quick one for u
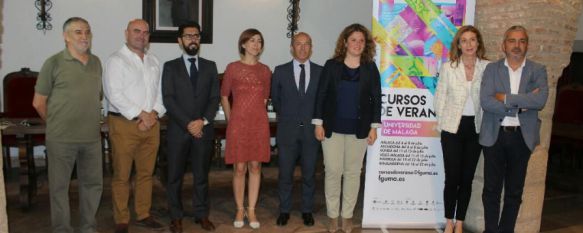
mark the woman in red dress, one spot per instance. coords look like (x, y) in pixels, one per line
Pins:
(247, 81)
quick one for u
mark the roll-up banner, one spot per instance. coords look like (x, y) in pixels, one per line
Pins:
(404, 168)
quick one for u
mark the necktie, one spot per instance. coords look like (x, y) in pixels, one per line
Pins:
(302, 80)
(193, 72)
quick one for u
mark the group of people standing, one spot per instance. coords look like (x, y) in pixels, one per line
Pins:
(491, 107)
(337, 105)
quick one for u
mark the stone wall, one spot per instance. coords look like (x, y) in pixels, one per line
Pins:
(552, 25)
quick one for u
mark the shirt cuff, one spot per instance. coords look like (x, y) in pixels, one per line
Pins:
(206, 122)
(376, 125)
(131, 114)
(161, 112)
(317, 121)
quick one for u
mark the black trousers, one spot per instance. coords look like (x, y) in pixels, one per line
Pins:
(461, 152)
(505, 165)
(306, 151)
(198, 151)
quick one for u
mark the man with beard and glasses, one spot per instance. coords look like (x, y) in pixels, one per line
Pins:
(132, 88)
(514, 90)
(190, 90)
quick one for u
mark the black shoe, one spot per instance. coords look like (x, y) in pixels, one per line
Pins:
(121, 228)
(205, 223)
(308, 219)
(282, 219)
(150, 223)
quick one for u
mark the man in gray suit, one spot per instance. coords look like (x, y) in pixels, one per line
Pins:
(190, 91)
(293, 94)
(513, 90)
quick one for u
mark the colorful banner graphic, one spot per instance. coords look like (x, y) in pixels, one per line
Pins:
(404, 171)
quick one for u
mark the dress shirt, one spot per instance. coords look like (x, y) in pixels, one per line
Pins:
(297, 71)
(132, 85)
(514, 85)
(185, 57)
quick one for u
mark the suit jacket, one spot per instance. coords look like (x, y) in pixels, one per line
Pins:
(292, 109)
(183, 104)
(451, 95)
(496, 79)
(369, 109)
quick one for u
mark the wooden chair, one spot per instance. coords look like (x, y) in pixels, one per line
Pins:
(18, 95)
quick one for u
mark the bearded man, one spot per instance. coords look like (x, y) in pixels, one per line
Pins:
(190, 91)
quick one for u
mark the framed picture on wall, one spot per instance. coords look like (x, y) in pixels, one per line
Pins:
(164, 17)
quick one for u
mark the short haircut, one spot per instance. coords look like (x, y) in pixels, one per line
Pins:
(189, 24)
(293, 39)
(246, 36)
(515, 28)
(137, 20)
(71, 20)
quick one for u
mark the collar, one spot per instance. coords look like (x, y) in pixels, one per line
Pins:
(296, 63)
(68, 57)
(185, 57)
(520, 67)
(126, 50)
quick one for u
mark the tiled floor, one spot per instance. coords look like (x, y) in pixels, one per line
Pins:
(563, 207)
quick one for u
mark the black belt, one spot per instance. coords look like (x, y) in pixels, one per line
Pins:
(117, 114)
(510, 128)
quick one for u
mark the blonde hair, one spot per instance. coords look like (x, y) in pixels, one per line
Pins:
(456, 52)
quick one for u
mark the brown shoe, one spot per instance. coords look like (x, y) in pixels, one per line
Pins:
(347, 225)
(205, 223)
(333, 225)
(176, 226)
(121, 228)
(150, 222)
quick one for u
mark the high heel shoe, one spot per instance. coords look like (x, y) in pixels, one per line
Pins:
(239, 223)
(253, 224)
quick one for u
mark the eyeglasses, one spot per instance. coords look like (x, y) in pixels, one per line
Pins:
(191, 36)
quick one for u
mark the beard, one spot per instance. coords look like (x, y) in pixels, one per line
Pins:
(516, 50)
(191, 49)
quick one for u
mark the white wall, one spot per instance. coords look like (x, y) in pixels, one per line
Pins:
(24, 46)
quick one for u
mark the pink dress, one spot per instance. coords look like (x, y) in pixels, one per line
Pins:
(248, 125)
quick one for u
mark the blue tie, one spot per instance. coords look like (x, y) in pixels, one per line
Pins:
(302, 80)
(193, 72)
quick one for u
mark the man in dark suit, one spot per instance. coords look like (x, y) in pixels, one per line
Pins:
(513, 90)
(293, 94)
(190, 90)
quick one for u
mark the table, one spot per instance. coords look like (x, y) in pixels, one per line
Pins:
(27, 168)
(35, 126)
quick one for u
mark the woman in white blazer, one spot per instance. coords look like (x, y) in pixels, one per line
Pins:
(457, 106)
